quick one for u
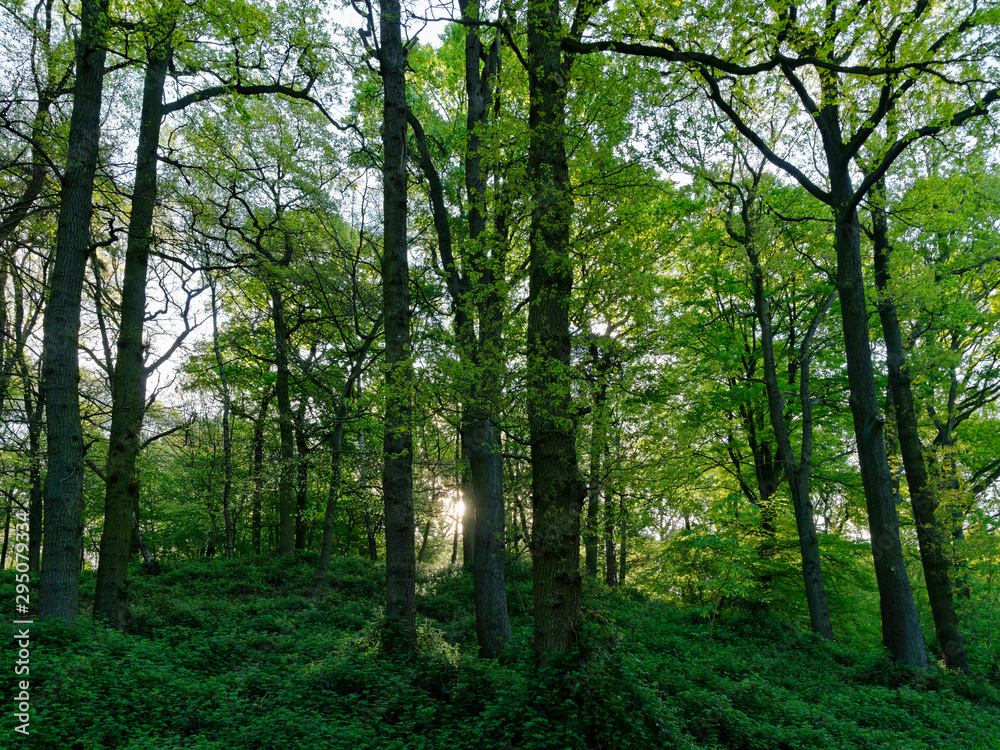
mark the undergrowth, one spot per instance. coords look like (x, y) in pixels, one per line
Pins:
(233, 655)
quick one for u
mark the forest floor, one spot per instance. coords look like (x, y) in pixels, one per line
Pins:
(232, 655)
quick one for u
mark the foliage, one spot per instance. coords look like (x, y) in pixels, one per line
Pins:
(225, 654)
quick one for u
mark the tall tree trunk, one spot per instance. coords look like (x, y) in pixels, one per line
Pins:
(610, 558)
(424, 538)
(145, 551)
(286, 428)
(460, 290)
(930, 532)
(623, 517)
(900, 626)
(59, 587)
(257, 473)
(370, 532)
(34, 408)
(128, 385)
(8, 512)
(556, 490)
(598, 440)
(333, 495)
(798, 475)
(949, 478)
(489, 584)
(397, 471)
(485, 459)
(301, 477)
(767, 471)
(468, 501)
(227, 428)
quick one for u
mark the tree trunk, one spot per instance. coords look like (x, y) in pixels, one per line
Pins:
(397, 471)
(286, 428)
(59, 588)
(148, 557)
(227, 429)
(948, 477)
(798, 475)
(34, 408)
(370, 533)
(489, 584)
(6, 528)
(128, 401)
(900, 625)
(424, 538)
(556, 490)
(767, 471)
(468, 501)
(598, 440)
(301, 477)
(624, 540)
(930, 532)
(610, 558)
(485, 459)
(330, 518)
(257, 473)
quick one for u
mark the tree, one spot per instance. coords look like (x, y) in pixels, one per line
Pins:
(129, 382)
(930, 531)
(797, 472)
(397, 471)
(475, 289)
(557, 493)
(805, 49)
(48, 72)
(64, 480)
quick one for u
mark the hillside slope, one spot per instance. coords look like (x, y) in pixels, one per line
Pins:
(232, 655)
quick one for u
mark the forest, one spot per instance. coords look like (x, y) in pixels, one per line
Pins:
(500, 375)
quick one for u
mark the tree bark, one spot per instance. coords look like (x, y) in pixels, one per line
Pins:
(930, 532)
(333, 495)
(301, 477)
(257, 473)
(34, 408)
(8, 512)
(147, 554)
(598, 444)
(397, 472)
(485, 459)
(227, 429)
(286, 428)
(468, 502)
(489, 583)
(900, 626)
(556, 490)
(797, 474)
(610, 558)
(424, 538)
(59, 587)
(128, 400)
(623, 514)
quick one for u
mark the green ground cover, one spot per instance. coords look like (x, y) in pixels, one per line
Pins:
(231, 655)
